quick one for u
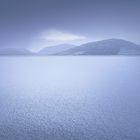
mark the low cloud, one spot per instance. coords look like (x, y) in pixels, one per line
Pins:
(56, 37)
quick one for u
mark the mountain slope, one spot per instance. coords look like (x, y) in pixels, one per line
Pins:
(105, 47)
(15, 51)
(55, 49)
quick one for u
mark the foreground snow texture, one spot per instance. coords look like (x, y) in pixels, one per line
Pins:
(70, 98)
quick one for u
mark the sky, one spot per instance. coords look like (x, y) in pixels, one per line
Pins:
(36, 24)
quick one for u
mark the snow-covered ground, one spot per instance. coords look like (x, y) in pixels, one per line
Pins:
(70, 98)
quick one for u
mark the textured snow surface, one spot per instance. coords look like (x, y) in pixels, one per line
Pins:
(70, 98)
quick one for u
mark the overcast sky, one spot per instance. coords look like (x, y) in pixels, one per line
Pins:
(39, 23)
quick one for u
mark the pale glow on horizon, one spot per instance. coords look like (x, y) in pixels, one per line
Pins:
(56, 37)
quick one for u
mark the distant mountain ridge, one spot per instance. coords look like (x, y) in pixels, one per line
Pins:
(103, 47)
(15, 51)
(55, 49)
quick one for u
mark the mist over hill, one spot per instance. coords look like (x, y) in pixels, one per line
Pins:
(15, 51)
(103, 47)
(55, 49)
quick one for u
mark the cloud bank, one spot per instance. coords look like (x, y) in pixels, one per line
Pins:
(57, 37)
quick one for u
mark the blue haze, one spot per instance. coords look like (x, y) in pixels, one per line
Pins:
(22, 20)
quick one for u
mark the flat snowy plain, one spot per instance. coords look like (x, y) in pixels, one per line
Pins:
(70, 98)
